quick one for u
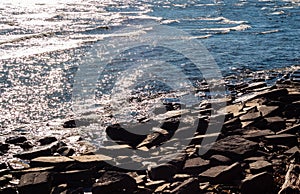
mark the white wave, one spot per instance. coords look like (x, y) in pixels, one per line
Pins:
(241, 27)
(222, 20)
(269, 32)
(169, 21)
(277, 13)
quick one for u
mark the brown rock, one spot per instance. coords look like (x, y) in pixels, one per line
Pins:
(222, 174)
(35, 183)
(75, 177)
(162, 172)
(259, 184)
(256, 134)
(195, 165)
(190, 185)
(234, 147)
(282, 139)
(250, 116)
(216, 160)
(45, 161)
(275, 123)
(260, 166)
(267, 111)
(114, 182)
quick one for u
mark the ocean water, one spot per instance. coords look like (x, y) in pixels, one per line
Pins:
(43, 44)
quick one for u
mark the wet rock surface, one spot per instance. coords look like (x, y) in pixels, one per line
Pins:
(256, 151)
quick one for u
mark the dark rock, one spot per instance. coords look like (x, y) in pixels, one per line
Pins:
(234, 147)
(259, 184)
(190, 185)
(65, 151)
(15, 139)
(4, 180)
(47, 150)
(232, 125)
(275, 123)
(26, 145)
(4, 147)
(114, 182)
(162, 172)
(222, 174)
(291, 130)
(273, 94)
(292, 110)
(282, 139)
(8, 190)
(75, 123)
(195, 165)
(35, 183)
(75, 178)
(47, 140)
(216, 160)
(260, 166)
(289, 98)
(3, 166)
(119, 134)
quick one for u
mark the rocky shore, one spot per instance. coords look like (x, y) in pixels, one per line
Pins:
(257, 150)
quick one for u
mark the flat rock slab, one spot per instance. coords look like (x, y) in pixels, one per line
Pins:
(51, 161)
(282, 139)
(195, 165)
(256, 134)
(268, 110)
(292, 150)
(259, 184)
(260, 166)
(250, 116)
(216, 160)
(275, 123)
(47, 150)
(234, 147)
(222, 174)
(114, 182)
(36, 182)
(190, 185)
(91, 158)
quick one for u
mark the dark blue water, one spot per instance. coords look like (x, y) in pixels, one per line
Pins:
(42, 44)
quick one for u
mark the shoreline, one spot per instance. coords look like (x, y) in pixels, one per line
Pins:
(257, 149)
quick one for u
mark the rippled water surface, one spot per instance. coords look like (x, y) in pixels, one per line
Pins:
(42, 43)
